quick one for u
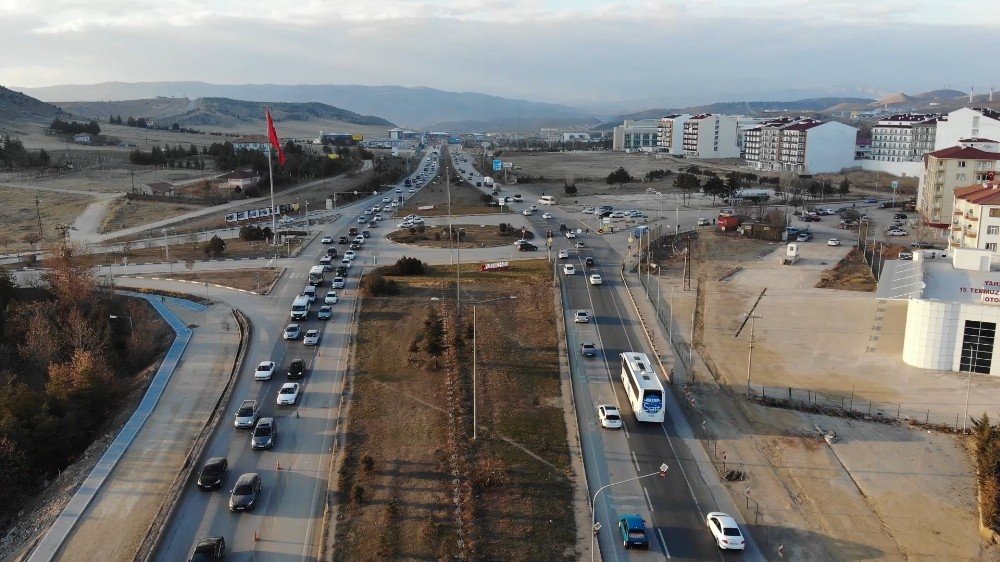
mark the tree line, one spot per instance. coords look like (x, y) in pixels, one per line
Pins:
(74, 127)
(14, 156)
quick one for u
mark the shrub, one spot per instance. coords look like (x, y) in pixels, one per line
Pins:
(215, 247)
(376, 285)
(404, 266)
(569, 188)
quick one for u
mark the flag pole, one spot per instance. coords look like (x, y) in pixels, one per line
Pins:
(270, 173)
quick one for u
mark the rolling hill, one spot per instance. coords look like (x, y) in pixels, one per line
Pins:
(15, 106)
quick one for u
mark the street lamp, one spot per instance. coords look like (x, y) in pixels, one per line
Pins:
(662, 472)
(116, 317)
(474, 357)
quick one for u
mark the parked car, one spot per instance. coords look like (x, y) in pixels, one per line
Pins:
(704, 222)
(243, 496)
(588, 349)
(264, 434)
(209, 549)
(609, 416)
(311, 338)
(264, 371)
(632, 530)
(246, 415)
(581, 317)
(725, 531)
(526, 246)
(896, 232)
(804, 237)
(292, 332)
(289, 394)
(297, 369)
(906, 255)
(213, 472)
(900, 216)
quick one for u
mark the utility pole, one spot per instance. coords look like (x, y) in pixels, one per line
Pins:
(753, 317)
(38, 214)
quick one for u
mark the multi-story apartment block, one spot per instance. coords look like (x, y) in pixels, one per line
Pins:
(968, 122)
(805, 146)
(710, 136)
(976, 217)
(672, 133)
(905, 137)
(950, 168)
(638, 135)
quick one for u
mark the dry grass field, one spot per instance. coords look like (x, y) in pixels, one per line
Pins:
(474, 236)
(414, 485)
(123, 213)
(465, 200)
(19, 216)
(256, 279)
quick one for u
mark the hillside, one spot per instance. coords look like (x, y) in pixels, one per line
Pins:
(512, 125)
(15, 106)
(408, 107)
(216, 112)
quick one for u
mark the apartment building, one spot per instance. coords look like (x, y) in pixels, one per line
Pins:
(637, 135)
(948, 169)
(672, 133)
(976, 217)
(804, 146)
(968, 122)
(710, 136)
(904, 137)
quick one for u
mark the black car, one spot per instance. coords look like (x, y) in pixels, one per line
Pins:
(526, 247)
(213, 473)
(373, 224)
(355, 246)
(589, 262)
(296, 369)
(245, 492)
(342, 240)
(366, 234)
(899, 216)
(331, 251)
(209, 549)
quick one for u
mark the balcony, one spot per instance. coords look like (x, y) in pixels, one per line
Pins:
(970, 234)
(956, 228)
(971, 218)
(958, 213)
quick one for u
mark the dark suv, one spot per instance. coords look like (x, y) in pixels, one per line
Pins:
(213, 473)
(209, 549)
(296, 369)
(245, 492)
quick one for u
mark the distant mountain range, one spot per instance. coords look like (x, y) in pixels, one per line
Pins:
(424, 108)
(217, 112)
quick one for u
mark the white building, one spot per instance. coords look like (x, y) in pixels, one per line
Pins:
(976, 222)
(83, 138)
(710, 136)
(579, 137)
(948, 169)
(637, 135)
(904, 137)
(977, 122)
(952, 311)
(251, 142)
(805, 146)
(672, 133)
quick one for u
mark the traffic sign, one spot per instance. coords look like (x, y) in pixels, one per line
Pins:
(497, 165)
(895, 185)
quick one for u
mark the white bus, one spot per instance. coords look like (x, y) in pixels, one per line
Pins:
(643, 387)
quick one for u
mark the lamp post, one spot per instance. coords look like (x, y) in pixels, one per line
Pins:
(116, 317)
(662, 472)
(475, 357)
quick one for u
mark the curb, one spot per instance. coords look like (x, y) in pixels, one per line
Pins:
(645, 329)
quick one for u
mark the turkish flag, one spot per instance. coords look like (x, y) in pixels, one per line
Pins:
(272, 135)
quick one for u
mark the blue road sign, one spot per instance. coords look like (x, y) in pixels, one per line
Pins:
(497, 164)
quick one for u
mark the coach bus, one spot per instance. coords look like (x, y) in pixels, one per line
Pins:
(643, 387)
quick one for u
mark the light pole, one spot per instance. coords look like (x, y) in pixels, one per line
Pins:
(475, 358)
(116, 317)
(593, 504)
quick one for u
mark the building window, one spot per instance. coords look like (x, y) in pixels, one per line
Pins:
(991, 246)
(995, 213)
(977, 346)
(961, 163)
(960, 177)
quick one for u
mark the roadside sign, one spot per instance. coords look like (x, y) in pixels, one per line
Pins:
(895, 185)
(497, 164)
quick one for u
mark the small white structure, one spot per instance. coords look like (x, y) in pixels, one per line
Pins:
(83, 138)
(791, 254)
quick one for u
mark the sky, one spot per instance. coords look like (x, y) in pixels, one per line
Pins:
(577, 52)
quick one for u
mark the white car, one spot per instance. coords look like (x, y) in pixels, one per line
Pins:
(292, 332)
(311, 338)
(378, 217)
(581, 317)
(346, 262)
(289, 394)
(595, 279)
(896, 232)
(580, 245)
(350, 254)
(330, 298)
(361, 220)
(327, 240)
(337, 283)
(570, 234)
(526, 212)
(725, 530)
(376, 209)
(264, 371)
(359, 239)
(569, 269)
(546, 215)
(833, 242)
(588, 210)
(563, 254)
(413, 190)
(387, 200)
(610, 416)
(703, 222)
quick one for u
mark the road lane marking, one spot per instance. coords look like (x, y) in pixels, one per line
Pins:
(636, 461)
(663, 543)
(649, 501)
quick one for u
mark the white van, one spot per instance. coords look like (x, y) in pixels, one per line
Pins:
(309, 292)
(547, 200)
(300, 308)
(316, 274)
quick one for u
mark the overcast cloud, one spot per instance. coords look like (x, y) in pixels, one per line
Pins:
(566, 51)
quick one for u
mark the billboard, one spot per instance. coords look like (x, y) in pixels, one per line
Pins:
(261, 213)
(358, 137)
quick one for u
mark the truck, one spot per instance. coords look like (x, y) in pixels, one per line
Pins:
(487, 181)
(317, 275)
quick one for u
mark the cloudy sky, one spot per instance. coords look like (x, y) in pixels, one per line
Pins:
(565, 51)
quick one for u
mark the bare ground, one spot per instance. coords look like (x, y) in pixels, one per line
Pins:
(125, 213)
(19, 215)
(851, 274)
(256, 279)
(474, 236)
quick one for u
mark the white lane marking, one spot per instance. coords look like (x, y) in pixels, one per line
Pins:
(663, 543)
(635, 461)
(649, 501)
(683, 472)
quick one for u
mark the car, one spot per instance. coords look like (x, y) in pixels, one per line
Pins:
(570, 234)
(324, 313)
(833, 242)
(526, 212)
(595, 279)
(725, 531)
(906, 255)
(378, 217)
(804, 237)
(243, 496)
(341, 272)
(330, 298)
(900, 216)
(896, 232)
(525, 246)
(326, 262)
(580, 245)
(568, 269)
(213, 472)
(562, 254)
(581, 317)
(327, 240)
(292, 332)
(588, 261)
(366, 233)
(617, 214)
(346, 262)
(209, 549)
(376, 208)
(264, 371)
(922, 245)
(349, 255)
(546, 215)
(264, 434)
(355, 247)
(704, 222)
(588, 349)
(310, 293)
(386, 199)
(331, 252)
(342, 240)
(632, 530)
(411, 190)
(246, 415)
(353, 231)
(610, 416)
(289, 394)
(372, 224)
(337, 283)
(588, 210)
(871, 200)
(359, 239)
(297, 368)
(311, 338)
(362, 220)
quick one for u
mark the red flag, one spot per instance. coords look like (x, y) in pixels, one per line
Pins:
(272, 135)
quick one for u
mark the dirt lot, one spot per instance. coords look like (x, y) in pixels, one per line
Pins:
(190, 251)
(850, 273)
(18, 215)
(474, 236)
(429, 491)
(256, 279)
(124, 213)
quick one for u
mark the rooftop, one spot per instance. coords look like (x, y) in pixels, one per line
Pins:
(980, 194)
(932, 276)
(964, 153)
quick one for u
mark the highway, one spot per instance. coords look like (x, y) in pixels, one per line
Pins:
(285, 524)
(674, 507)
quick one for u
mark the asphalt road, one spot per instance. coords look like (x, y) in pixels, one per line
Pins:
(285, 525)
